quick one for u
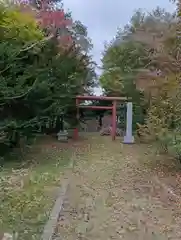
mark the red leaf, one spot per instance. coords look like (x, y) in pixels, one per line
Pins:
(66, 39)
(56, 18)
(48, 18)
(58, 15)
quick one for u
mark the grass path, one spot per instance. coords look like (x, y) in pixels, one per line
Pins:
(29, 189)
(113, 195)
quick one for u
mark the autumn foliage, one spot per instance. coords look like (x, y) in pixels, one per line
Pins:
(39, 77)
(144, 60)
(49, 18)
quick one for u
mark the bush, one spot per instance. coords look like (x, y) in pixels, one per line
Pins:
(170, 141)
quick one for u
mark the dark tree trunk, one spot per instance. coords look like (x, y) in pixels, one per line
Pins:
(100, 120)
(62, 123)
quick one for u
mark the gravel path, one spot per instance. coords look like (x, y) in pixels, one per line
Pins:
(113, 196)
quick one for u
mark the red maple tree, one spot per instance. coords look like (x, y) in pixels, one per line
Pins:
(50, 18)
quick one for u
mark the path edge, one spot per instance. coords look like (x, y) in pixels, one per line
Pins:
(50, 226)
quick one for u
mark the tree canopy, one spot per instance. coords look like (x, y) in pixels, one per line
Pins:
(143, 62)
(40, 74)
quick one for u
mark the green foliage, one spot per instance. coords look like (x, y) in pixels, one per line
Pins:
(163, 118)
(39, 79)
(164, 110)
(127, 56)
(16, 25)
(170, 142)
(139, 51)
(121, 62)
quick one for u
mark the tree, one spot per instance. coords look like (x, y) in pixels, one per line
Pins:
(13, 25)
(39, 78)
(131, 61)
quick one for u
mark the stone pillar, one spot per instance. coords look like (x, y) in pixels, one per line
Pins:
(114, 123)
(129, 138)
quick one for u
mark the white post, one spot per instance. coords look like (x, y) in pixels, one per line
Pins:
(129, 138)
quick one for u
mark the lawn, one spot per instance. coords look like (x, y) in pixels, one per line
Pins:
(29, 188)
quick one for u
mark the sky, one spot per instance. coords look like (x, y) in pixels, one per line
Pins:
(103, 17)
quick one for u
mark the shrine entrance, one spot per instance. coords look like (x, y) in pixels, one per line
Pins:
(128, 138)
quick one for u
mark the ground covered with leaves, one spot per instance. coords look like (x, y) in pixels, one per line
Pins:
(29, 189)
(116, 193)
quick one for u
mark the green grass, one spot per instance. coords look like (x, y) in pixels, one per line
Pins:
(27, 193)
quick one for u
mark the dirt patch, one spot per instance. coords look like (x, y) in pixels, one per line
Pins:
(114, 196)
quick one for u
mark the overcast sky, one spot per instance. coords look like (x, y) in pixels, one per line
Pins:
(102, 17)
